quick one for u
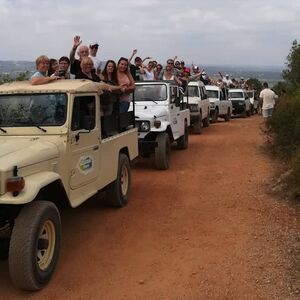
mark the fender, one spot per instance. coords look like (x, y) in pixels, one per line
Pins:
(33, 184)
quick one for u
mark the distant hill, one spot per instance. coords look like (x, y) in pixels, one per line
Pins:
(14, 67)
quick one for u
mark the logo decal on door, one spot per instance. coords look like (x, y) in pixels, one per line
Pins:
(86, 164)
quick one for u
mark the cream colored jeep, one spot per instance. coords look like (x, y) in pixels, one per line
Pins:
(55, 147)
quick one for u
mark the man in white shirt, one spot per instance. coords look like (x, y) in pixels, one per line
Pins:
(93, 53)
(268, 102)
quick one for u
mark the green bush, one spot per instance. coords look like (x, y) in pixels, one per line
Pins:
(285, 123)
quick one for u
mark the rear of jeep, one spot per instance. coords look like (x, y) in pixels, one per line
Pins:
(51, 153)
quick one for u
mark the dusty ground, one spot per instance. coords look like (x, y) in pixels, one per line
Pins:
(205, 229)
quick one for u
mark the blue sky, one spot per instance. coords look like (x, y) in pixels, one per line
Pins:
(227, 32)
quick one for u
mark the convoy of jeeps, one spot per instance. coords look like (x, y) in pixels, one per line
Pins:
(57, 149)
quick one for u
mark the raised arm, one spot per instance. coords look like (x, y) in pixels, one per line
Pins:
(76, 43)
(134, 52)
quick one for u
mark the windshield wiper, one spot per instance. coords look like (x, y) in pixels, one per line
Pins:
(31, 122)
(3, 130)
(40, 128)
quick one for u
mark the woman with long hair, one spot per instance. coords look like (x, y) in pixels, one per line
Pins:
(108, 99)
(126, 81)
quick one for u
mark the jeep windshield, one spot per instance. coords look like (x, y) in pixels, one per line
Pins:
(22, 110)
(213, 94)
(150, 92)
(192, 91)
(235, 95)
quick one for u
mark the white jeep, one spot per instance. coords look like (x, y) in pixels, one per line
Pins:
(161, 118)
(240, 102)
(52, 151)
(198, 103)
(220, 106)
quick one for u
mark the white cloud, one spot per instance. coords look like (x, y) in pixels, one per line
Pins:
(235, 32)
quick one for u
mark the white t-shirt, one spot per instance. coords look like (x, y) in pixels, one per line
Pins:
(268, 97)
(227, 81)
(148, 75)
(97, 63)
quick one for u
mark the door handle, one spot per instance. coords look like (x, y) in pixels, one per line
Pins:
(178, 114)
(96, 147)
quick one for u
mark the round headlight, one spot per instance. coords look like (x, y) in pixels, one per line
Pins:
(145, 126)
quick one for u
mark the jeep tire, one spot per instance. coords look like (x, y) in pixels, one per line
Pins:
(34, 245)
(227, 116)
(197, 126)
(206, 120)
(117, 192)
(215, 115)
(183, 141)
(162, 151)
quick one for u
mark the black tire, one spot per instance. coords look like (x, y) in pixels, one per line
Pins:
(117, 192)
(34, 245)
(244, 113)
(206, 120)
(197, 126)
(215, 115)
(227, 116)
(183, 141)
(163, 151)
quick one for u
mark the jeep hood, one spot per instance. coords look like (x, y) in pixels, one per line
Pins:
(22, 152)
(148, 112)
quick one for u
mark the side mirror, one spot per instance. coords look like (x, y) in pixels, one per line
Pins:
(205, 96)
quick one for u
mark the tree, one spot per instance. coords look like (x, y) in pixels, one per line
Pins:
(254, 84)
(292, 73)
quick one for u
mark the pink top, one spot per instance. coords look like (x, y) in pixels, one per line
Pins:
(124, 80)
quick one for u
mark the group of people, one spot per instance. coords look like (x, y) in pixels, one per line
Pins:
(123, 74)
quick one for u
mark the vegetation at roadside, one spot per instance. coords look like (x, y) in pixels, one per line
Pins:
(285, 122)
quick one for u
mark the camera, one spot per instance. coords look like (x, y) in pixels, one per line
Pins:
(61, 73)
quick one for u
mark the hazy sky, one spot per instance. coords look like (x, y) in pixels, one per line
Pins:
(231, 32)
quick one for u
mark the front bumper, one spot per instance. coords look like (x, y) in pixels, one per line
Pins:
(146, 146)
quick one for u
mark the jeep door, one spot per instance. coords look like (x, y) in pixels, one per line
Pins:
(84, 141)
(177, 127)
(204, 102)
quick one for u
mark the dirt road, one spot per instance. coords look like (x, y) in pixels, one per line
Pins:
(205, 229)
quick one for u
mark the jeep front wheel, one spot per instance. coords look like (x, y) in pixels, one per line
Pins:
(197, 126)
(206, 120)
(162, 151)
(215, 115)
(34, 245)
(117, 192)
(227, 116)
(183, 141)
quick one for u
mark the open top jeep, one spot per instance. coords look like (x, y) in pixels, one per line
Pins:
(240, 102)
(161, 117)
(52, 150)
(220, 106)
(198, 103)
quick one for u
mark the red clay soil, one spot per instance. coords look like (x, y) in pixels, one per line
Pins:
(205, 229)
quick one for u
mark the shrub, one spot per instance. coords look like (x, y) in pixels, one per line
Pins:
(285, 123)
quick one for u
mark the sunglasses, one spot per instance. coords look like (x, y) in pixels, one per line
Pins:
(94, 47)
